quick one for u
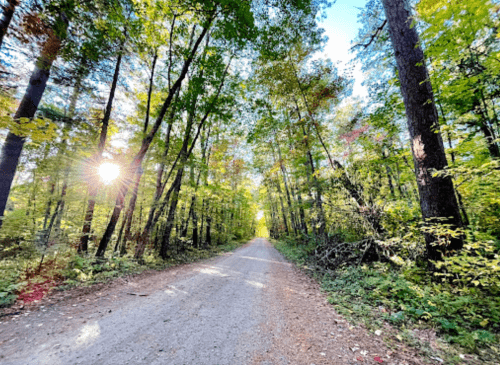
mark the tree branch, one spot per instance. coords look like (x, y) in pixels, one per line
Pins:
(373, 37)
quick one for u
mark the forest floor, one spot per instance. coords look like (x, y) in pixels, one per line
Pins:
(249, 306)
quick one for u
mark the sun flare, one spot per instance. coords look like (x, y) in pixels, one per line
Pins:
(108, 172)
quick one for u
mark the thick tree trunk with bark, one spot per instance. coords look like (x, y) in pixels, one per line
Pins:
(13, 144)
(437, 195)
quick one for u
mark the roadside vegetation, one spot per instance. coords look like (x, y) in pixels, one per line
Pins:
(393, 200)
(143, 133)
(123, 132)
(27, 280)
(466, 319)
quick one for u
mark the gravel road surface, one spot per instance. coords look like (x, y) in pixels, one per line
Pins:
(249, 306)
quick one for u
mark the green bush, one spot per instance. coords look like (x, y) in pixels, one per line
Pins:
(293, 251)
(10, 280)
(471, 319)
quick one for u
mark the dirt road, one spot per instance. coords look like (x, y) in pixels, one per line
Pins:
(246, 307)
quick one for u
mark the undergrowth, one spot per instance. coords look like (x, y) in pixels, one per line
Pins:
(22, 276)
(408, 298)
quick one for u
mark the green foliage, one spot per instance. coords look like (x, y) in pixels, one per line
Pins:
(476, 266)
(15, 232)
(9, 283)
(86, 270)
(409, 297)
(471, 319)
(294, 250)
(71, 269)
(12, 277)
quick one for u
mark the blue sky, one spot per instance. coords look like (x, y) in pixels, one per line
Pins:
(341, 27)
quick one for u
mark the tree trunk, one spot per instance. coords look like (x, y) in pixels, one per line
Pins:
(490, 139)
(150, 91)
(185, 224)
(60, 212)
(317, 199)
(283, 210)
(49, 205)
(8, 12)
(437, 195)
(208, 236)
(120, 234)
(150, 224)
(130, 211)
(96, 160)
(302, 213)
(13, 144)
(195, 231)
(182, 220)
(165, 243)
(202, 223)
(289, 200)
(182, 157)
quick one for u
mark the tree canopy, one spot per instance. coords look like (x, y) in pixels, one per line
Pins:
(148, 130)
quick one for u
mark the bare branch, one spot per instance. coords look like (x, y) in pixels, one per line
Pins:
(373, 37)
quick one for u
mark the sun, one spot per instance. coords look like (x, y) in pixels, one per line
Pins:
(108, 172)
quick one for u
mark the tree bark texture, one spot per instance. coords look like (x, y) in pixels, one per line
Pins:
(437, 195)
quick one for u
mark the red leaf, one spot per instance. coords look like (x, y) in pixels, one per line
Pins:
(359, 358)
(378, 359)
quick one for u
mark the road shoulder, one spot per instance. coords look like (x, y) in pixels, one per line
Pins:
(307, 330)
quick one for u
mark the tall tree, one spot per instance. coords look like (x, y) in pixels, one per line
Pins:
(96, 160)
(437, 195)
(137, 161)
(13, 145)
